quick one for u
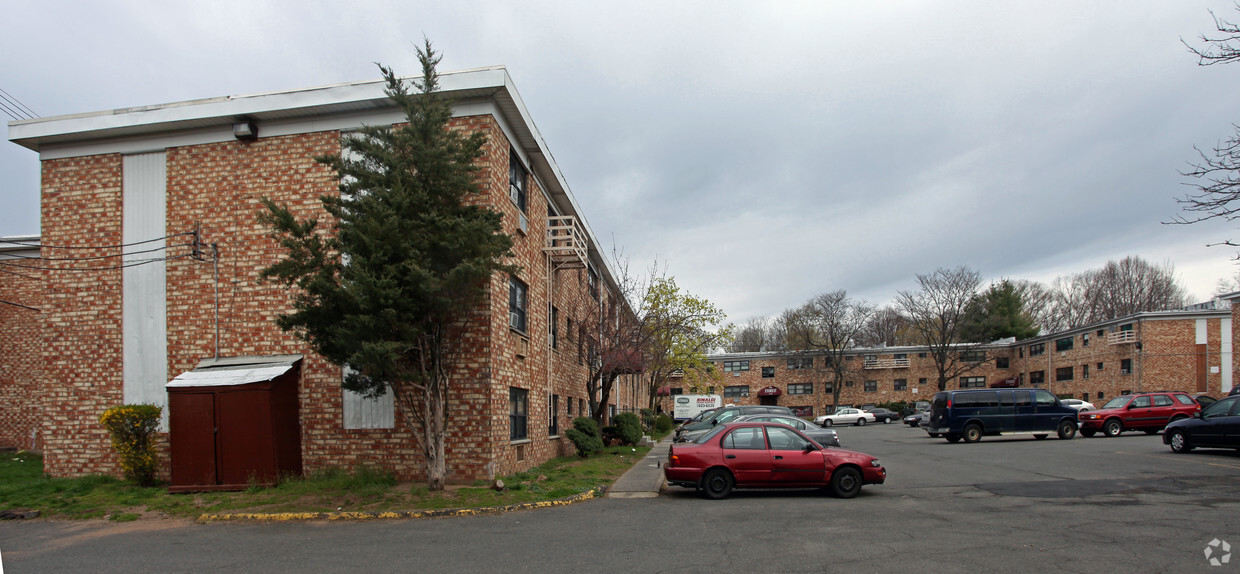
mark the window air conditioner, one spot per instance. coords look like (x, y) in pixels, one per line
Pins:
(1123, 371)
(514, 319)
(514, 194)
(524, 222)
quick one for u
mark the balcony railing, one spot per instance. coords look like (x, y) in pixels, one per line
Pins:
(886, 363)
(566, 242)
(1121, 337)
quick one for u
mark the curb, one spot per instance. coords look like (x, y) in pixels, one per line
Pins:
(402, 514)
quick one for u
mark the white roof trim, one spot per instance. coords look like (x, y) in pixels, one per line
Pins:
(227, 377)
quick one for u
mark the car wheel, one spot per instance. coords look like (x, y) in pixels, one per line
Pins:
(1067, 430)
(1087, 432)
(717, 484)
(952, 437)
(861, 422)
(886, 420)
(1039, 436)
(933, 435)
(846, 482)
(1151, 431)
(972, 433)
(826, 423)
(1179, 442)
(1112, 428)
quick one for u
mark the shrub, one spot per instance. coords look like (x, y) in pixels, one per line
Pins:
(664, 423)
(611, 436)
(133, 438)
(585, 436)
(629, 427)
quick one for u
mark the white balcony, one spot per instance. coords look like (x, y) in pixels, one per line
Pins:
(566, 242)
(1121, 337)
(886, 363)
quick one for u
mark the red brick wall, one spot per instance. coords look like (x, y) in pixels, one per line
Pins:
(21, 396)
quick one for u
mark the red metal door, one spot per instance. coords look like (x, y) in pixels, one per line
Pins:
(191, 422)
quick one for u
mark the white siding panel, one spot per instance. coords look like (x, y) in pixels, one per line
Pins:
(1225, 354)
(1203, 336)
(363, 413)
(144, 287)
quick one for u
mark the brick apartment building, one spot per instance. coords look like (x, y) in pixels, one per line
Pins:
(1187, 350)
(125, 304)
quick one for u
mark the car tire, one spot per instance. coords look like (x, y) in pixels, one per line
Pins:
(1040, 436)
(1179, 443)
(1112, 428)
(1151, 431)
(1088, 432)
(716, 484)
(846, 482)
(952, 437)
(826, 423)
(861, 421)
(886, 420)
(1066, 430)
(972, 433)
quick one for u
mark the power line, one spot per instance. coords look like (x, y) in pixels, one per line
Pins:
(29, 242)
(97, 257)
(108, 268)
(17, 305)
(22, 111)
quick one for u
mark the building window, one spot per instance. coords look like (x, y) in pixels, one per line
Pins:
(801, 389)
(736, 391)
(518, 413)
(593, 277)
(1085, 374)
(900, 356)
(801, 363)
(1064, 344)
(921, 355)
(1099, 366)
(901, 384)
(1063, 374)
(1038, 349)
(768, 372)
(1125, 366)
(518, 301)
(848, 384)
(1037, 377)
(1001, 362)
(828, 387)
(972, 382)
(735, 366)
(677, 391)
(1085, 343)
(871, 386)
(569, 404)
(555, 328)
(555, 416)
(581, 407)
(1100, 395)
(974, 356)
(517, 177)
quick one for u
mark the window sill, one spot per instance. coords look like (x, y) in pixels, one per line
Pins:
(554, 437)
(519, 441)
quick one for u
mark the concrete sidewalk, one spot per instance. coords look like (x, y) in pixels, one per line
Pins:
(645, 479)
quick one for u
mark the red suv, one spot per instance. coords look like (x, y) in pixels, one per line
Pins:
(1149, 412)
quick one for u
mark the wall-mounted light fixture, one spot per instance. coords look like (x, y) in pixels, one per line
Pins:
(245, 130)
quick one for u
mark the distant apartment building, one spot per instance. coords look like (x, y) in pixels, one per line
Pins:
(1187, 351)
(150, 259)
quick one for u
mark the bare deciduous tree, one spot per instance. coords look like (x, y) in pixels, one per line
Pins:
(1216, 177)
(937, 313)
(828, 324)
(887, 327)
(1119, 289)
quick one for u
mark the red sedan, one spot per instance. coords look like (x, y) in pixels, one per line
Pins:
(767, 455)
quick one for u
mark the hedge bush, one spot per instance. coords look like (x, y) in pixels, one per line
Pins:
(629, 427)
(133, 429)
(664, 423)
(585, 436)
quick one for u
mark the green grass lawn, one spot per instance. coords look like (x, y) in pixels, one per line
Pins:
(23, 486)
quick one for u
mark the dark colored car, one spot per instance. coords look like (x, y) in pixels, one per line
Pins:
(1204, 400)
(767, 455)
(1216, 426)
(725, 414)
(1148, 412)
(883, 415)
(972, 414)
(822, 436)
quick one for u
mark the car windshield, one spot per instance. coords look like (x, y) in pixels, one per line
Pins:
(1116, 402)
(708, 436)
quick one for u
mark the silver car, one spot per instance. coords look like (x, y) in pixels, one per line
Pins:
(824, 437)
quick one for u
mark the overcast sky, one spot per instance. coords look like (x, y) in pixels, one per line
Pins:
(764, 151)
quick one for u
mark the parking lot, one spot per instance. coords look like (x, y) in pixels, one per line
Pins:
(1124, 504)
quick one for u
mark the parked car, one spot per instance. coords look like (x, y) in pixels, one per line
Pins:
(913, 419)
(1204, 400)
(1216, 426)
(884, 416)
(725, 414)
(822, 436)
(1148, 412)
(845, 416)
(923, 422)
(1234, 391)
(1078, 404)
(767, 455)
(972, 414)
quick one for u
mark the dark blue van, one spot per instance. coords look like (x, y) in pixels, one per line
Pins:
(970, 414)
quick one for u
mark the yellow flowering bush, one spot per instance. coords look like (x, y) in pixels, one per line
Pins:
(133, 430)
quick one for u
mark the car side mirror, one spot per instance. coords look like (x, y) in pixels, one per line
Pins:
(808, 448)
(713, 422)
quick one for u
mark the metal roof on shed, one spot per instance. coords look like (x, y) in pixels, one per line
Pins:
(220, 372)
